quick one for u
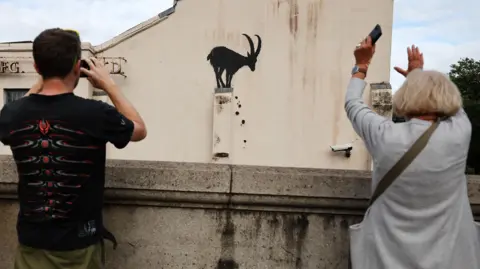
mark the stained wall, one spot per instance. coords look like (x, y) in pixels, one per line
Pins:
(286, 111)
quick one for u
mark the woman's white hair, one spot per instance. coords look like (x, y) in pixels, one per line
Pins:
(427, 92)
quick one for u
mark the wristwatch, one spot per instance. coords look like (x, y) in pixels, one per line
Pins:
(357, 69)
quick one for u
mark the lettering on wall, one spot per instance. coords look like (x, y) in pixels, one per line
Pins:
(9, 67)
(226, 60)
(114, 64)
(12, 65)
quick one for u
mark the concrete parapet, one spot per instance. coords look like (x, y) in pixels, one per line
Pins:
(187, 215)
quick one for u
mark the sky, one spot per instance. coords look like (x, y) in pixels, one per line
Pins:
(445, 30)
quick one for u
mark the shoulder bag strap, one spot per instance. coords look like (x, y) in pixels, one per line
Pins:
(404, 162)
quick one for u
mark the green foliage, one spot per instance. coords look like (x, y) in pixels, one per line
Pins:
(466, 75)
(473, 161)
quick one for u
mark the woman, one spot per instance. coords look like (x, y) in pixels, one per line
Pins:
(423, 219)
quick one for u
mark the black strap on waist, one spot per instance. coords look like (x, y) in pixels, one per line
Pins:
(107, 235)
(110, 237)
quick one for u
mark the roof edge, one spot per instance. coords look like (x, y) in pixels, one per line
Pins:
(27, 47)
(135, 30)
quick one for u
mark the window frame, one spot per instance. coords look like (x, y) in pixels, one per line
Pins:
(7, 94)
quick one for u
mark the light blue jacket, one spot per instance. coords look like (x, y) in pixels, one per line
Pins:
(424, 219)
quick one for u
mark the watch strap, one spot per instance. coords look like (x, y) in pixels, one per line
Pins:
(362, 70)
(358, 69)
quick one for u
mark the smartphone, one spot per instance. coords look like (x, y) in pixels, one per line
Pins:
(85, 65)
(376, 34)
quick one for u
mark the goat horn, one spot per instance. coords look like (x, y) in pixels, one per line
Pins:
(250, 41)
(259, 45)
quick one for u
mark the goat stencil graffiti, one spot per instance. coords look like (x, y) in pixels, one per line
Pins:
(226, 60)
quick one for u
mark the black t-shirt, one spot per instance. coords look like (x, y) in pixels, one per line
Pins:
(58, 143)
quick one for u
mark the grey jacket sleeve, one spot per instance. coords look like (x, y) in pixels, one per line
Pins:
(368, 124)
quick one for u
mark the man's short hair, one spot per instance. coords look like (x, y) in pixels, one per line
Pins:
(56, 52)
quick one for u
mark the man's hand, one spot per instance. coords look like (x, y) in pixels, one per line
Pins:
(98, 75)
(415, 60)
(364, 52)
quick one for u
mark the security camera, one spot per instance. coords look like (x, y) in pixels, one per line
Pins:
(346, 147)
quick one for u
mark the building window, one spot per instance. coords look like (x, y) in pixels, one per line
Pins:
(11, 95)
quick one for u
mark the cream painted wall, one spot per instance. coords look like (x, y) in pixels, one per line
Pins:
(292, 104)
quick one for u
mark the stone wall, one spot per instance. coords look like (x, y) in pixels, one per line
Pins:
(381, 98)
(185, 215)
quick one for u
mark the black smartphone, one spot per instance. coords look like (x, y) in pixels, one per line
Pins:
(85, 65)
(376, 34)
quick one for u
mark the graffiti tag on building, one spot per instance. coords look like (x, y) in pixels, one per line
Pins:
(114, 64)
(12, 66)
(9, 67)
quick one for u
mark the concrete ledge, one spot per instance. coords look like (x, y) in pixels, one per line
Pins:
(150, 175)
(301, 182)
(216, 186)
(250, 202)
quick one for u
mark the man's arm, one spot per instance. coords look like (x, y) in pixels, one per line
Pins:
(100, 78)
(126, 108)
(113, 126)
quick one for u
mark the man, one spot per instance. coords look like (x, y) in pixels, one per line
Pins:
(58, 142)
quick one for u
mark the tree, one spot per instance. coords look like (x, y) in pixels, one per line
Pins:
(473, 159)
(466, 75)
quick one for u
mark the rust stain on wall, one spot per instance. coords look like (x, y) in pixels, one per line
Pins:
(313, 17)
(293, 17)
(292, 56)
(275, 6)
(309, 76)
